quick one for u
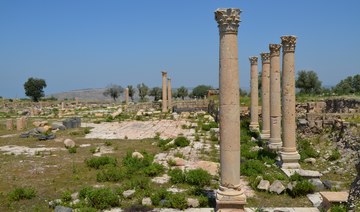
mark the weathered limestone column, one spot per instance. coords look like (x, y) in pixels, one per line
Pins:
(169, 95)
(265, 96)
(289, 154)
(24, 122)
(126, 96)
(9, 124)
(254, 93)
(76, 101)
(19, 124)
(229, 197)
(275, 142)
(164, 100)
(62, 105)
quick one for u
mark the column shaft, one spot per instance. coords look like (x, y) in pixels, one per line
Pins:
(169, 95)
(265, 96)
(289, 154)
(164, 92)
(126, 96)
(254, 110)
(275, 98)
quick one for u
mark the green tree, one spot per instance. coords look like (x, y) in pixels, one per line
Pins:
(243, 93)
(113, 91)
(156, 93)
(348, 85)
(131, 92)
(201, 90)
(34, 88)
(143, 91)
(182, 92)
(308, 82)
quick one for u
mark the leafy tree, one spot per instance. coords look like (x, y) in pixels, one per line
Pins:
(143, 91)
(131, 92)
(34, 88)
(349, 85)
(243, 92)
(113, 91)
(201, 90)
(308, 82)
(182, 92)
(156, 93)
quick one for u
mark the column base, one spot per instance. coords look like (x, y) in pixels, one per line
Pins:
(265, 136)
(275, 144)
(228, 199)
(254, 127)
(290, 160)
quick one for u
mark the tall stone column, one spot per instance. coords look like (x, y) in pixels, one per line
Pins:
(19, 124)
(265, 96)
(169, 95)
(164, 91)
(275, 142)
(76, 101)
(126, 93)
(289, 155)
(230, 195)
(254, 110)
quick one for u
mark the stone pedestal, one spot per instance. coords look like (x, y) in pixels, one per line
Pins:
(164, 92)
(9, 124)
(126, 93)
(265, 96)
(254, 93)
(230, 196)
(169, 95)
(289, 155)
(19, 124)
(275, 142)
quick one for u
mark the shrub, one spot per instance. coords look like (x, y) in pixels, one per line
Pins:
(108, 143)
(111, 174)
(338, 208)
(97, 162)
(182, 141)
(171, 162)
(66, 196)
(159, 195)
(296, 177)
(85, 191)
(154, 169)
(134, 164)
(178, 201)
(335, 155)
(86, 130)
(203, 201)
(102, 198)
(177, 176)
(306, 150)
(302, 188)
(138, 182)
(72, 150)
(252, 168)
(198, 177)
(22, 193)
(164, 144)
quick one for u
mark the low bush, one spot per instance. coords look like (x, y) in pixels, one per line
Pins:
(338, 208)
(108, 143)
(306, 150)
(72, 150)
(177, 176)
(302, 188)
(66, 196)
(22, 193)
(159, 195)
(110, 173)
(135, 165)
(102, 198)
(97, 162)
(198, 177)
(252, 168)
(182, 141)
(178, 201)
(154, 169)
(335, 155)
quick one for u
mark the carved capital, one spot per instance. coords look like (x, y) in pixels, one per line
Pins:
(289, 43)
(265, 57)
(274, 49)
(253, 60)
(164, 74)
(228, 19)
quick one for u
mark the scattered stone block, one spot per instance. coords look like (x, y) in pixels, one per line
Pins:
(62, 209)
(315, 198)
(9, 124)
(263, 185)
(310, 160)
(128, 193)
(192, 202)
(69, 143)
(137, 155)
(317, 183)
(330, 198)
(277, 187)
(146, 201)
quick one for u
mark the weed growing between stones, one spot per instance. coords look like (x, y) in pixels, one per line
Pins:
(22, 193)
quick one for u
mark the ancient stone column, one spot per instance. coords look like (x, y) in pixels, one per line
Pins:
(19, 124)
(164, 99)
(265, 96)
(24, 122)
(230, 195)
(62, 105)
(126, 96)
(289, 155)
(254, 93)
(9, 124)
(275, 142)
(76, 101)
(169, 95)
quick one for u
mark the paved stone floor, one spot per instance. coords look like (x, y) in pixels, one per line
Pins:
(137, 129)
(246, 210)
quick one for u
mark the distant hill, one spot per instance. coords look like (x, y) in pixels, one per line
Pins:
(82, 94)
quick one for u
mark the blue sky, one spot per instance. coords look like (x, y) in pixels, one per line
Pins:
(75, 44)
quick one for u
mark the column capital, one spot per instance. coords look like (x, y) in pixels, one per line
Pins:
(265, 57)
(164, 73)
(253, 60)
(169, 79)
(274, 49)
(288, 42)
(228, 19)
